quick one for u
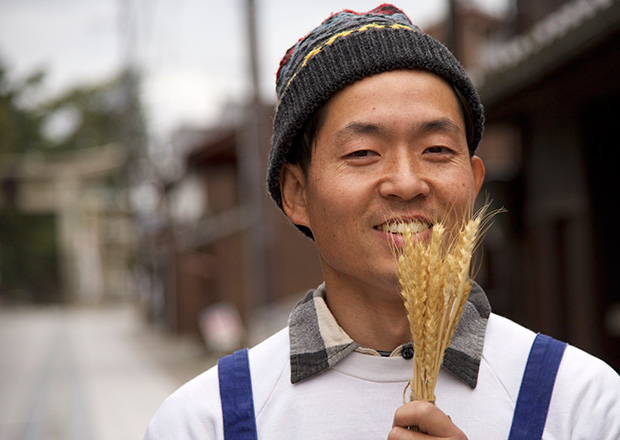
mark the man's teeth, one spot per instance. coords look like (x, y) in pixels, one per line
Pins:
(399, 228)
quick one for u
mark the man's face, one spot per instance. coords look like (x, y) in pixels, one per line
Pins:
(392, 147)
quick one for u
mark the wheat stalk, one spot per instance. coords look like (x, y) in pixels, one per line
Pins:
(434, 276)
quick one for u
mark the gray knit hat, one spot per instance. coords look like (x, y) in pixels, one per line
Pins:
(347, 47)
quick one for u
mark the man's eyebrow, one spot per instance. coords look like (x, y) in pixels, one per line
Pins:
(439, 125)
(354, 128)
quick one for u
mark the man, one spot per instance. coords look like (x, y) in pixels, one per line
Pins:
(376, 124)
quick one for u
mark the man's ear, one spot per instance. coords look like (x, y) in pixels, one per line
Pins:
(293, 190)
(479, 172)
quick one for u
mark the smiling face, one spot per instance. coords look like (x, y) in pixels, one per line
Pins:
(392, 147)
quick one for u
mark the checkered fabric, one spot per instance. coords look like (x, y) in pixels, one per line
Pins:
(318, 342)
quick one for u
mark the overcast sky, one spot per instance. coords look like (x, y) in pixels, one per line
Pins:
(192, 53)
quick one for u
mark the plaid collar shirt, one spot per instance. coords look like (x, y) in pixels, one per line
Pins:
(318, 342)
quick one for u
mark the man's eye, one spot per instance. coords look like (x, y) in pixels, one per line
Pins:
(361, 153)
(438, 150)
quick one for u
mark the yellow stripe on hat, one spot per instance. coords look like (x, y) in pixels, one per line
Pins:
(343, 34)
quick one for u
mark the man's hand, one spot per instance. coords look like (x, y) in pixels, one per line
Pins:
(431, 420)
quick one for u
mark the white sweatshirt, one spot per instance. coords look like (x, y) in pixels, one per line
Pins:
(357, 397)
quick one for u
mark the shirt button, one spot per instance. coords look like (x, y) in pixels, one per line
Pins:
(407, 352)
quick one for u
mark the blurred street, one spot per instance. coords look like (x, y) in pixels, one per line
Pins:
(87, 373)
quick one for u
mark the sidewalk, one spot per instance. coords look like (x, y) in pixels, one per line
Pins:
(87, 373)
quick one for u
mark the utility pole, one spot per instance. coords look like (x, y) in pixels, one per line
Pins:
(251, 158)
(132, 130)
(454, 31)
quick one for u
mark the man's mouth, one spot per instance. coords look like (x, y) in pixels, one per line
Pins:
(398, 227)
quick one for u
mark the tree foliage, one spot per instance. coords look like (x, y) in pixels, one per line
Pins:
(20, 125)
(83, 117)
(99, 112)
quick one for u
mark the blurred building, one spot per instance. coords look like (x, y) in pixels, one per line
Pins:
(551, 94)
(226, 241)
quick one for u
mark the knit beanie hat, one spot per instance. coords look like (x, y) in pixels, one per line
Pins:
(347, 47)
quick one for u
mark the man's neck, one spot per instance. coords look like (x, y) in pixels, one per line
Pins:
(372, 318)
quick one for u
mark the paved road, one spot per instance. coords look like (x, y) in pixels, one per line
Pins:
(87, 373)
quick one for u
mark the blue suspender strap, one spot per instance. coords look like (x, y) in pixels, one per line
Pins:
(236, 396)
(537, 384)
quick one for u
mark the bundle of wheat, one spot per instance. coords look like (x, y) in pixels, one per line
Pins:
(435, 279)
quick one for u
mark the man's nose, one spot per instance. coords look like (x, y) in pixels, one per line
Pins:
(403, 179)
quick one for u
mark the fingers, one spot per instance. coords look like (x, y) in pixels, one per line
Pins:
(400, 433)
(431, 421)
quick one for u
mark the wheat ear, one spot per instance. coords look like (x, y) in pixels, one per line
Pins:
(435, 284)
